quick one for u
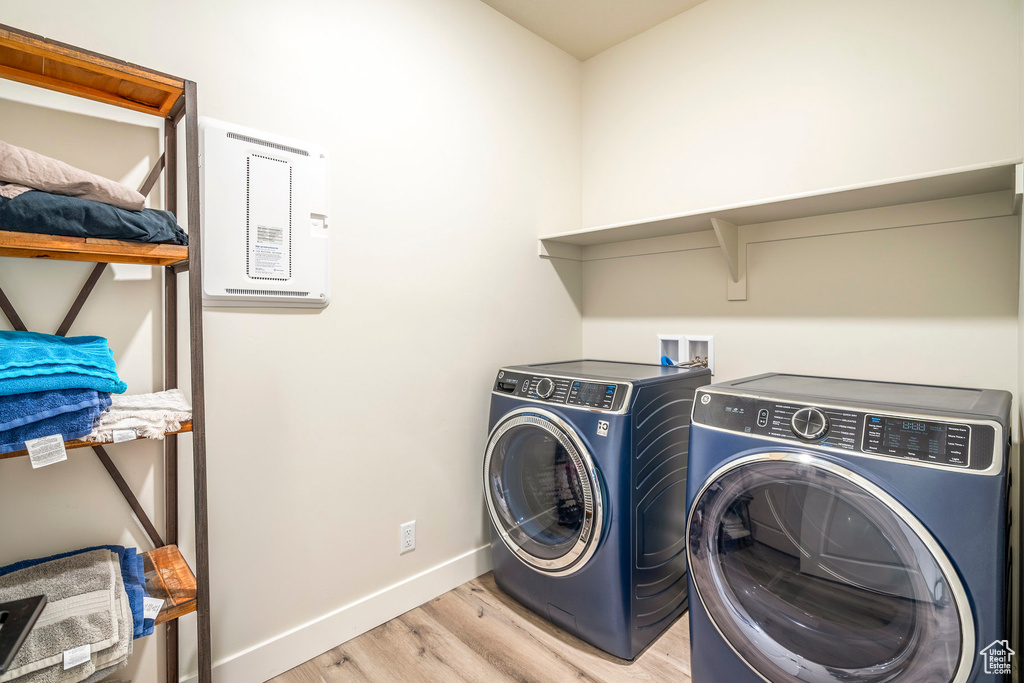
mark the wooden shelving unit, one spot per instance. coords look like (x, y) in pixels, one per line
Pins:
(78, 443)
(58, 248)
(168, 578)
(49, 64)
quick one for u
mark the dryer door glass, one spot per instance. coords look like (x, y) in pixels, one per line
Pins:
(541, 491)
(814, 574)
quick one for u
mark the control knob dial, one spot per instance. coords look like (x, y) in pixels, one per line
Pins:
(809, 424)
(545, 387)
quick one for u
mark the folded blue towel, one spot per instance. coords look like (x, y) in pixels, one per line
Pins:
(31, 362)
(23, 409)
(73, 425)
(132, 575)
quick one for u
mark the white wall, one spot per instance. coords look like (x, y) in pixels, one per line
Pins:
(455, 140)
(934, 304)
(740, 100)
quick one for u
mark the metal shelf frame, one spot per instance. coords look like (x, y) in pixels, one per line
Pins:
(31, 59)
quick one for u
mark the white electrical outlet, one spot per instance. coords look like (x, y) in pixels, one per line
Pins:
(407, 537)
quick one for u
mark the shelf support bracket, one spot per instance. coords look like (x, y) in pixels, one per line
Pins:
(154, 175)
(12, 315)
(735, 252)
(1018, 187)
(76, 307)
(129, 496)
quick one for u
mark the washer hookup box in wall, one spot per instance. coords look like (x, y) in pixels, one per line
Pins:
(265, 207)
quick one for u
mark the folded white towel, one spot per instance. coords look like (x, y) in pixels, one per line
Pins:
(150, 416)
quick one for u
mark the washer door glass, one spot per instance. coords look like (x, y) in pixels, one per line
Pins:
(814, 574)
(541, 491)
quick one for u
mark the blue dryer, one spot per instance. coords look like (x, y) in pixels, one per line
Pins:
(845, 530)
(585, 485)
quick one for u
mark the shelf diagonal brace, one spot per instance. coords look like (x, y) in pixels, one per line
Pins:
(76, 307)
(154, 175)
(129, 496)
(734, 249)
(12, 315)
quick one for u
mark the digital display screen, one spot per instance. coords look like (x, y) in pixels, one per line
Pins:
(915, 436)
(591, 393)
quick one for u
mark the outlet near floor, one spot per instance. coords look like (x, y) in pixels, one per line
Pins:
(407, 537)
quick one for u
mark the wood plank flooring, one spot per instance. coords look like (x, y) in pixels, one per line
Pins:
(477, 633)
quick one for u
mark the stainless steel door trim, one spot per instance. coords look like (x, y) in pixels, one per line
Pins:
(591, 533)
(997, 444)
(966, 615)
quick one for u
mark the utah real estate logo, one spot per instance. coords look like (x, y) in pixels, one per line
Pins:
(998, 656)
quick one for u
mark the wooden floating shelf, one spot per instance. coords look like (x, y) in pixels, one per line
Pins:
(169, 578)
(973, 180)
(93, 250)
(28, 58)
(79, 443)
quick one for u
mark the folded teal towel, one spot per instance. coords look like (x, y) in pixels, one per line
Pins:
(30, 361)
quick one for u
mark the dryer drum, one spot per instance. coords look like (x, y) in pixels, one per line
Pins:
(542, 491)
(813, 574)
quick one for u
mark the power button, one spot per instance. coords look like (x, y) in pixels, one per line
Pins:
(762, 417)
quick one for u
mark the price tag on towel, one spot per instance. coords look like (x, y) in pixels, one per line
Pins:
(76, 656)
(46, 450)
(151, 607)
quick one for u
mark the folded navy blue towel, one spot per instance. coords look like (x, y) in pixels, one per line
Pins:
(52, 214)
(132, 575)
(72, 425)
(23, 409)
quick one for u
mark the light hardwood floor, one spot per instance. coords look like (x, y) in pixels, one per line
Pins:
(477, 633)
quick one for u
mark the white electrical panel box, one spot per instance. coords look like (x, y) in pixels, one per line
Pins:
(265, 231)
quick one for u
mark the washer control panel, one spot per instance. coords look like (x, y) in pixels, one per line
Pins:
(926, 440)
(587, 394)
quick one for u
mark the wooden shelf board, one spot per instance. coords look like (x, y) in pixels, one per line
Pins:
(169, 578)
(954, 183)
(28, 58)
(79, 443)
(60, 248)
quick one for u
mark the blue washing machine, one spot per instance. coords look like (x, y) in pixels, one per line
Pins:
(845, 530)
(585, 485)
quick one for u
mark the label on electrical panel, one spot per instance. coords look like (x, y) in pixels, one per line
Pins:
(46, 450)
(268, 255)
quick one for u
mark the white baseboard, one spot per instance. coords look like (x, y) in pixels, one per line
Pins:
(289, 649)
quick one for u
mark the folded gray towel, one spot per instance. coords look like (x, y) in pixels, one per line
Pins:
(25, 167)
(82, 609)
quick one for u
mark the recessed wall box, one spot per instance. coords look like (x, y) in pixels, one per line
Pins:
(266, 234)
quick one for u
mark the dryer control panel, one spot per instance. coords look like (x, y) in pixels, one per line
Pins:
(923, 439)
(586, 394)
